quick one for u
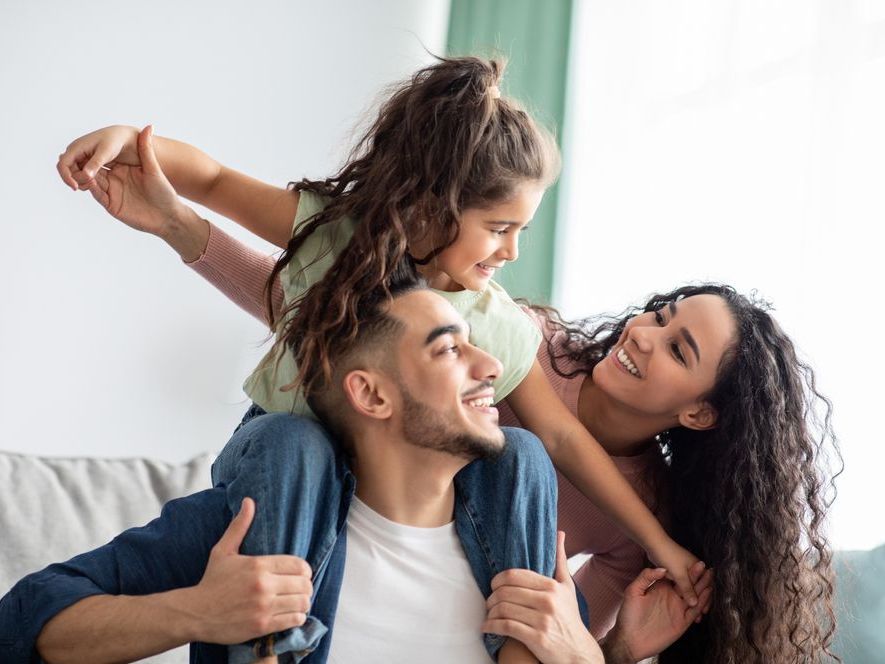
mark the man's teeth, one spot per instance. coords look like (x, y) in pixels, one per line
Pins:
(625, 360)
(480, 403)
(486, 267)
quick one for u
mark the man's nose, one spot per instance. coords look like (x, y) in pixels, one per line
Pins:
(485, 366)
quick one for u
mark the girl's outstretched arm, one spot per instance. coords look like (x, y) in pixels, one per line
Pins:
(142, 198)
(580, 457)
(263, 209)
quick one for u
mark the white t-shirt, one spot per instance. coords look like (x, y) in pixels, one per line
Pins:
(408, 595)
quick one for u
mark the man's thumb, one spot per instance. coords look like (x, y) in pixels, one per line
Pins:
(236, 531)
(561, 574)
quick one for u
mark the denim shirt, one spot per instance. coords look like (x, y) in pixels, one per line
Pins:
(172, 552)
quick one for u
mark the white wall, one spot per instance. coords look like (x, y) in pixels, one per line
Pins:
(742, 142)
(108, 345)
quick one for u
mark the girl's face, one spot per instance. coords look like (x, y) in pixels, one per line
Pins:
(667, 360)
(488, 238)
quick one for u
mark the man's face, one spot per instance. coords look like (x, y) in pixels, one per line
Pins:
(445, 382)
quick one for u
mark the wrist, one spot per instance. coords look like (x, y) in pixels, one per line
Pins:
(185, 614)
(186, 232)
(615, 648)
(129, 151)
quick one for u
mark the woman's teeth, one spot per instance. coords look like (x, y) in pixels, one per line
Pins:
(480, 403)
(625, 360)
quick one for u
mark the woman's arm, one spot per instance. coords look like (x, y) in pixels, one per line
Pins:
(583, 461)
(142, 197)
(543, 614)
(240, 272)
(264, 209)
(602, 580)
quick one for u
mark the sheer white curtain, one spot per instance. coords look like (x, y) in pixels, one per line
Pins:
(744, 142)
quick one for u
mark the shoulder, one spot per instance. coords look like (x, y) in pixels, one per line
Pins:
(508, 315)
(310, 204)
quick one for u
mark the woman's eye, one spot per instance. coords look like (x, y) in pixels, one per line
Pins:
(659, 319)
(452, 349)
(501, 232)
(678, 353)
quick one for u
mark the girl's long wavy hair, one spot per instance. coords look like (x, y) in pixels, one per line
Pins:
(443, 141)
(749, 496)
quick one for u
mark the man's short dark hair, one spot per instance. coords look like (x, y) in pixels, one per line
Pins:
(374, 345)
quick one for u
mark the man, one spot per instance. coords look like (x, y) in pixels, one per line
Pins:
(411, 418)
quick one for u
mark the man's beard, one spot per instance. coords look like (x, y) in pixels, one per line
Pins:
(425, 427)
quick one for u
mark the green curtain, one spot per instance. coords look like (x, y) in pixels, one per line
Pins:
(534, 37)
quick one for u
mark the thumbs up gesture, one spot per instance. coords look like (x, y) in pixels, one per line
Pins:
(244, 597)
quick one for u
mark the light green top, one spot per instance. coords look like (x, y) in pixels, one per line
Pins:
(497, 324)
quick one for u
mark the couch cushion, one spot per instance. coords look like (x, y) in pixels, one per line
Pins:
(860, 606)
(52, 509)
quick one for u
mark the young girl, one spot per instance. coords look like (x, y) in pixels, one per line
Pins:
(449, 173)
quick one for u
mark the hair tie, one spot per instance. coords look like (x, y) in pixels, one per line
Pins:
(494, 92)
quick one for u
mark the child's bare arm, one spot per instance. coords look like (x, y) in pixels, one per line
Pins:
(580, 457)
(266, 210)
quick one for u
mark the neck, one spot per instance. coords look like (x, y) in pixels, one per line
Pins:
(406, 484)
(438, 279)
(620, 430)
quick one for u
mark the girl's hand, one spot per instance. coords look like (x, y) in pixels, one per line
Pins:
(82, 159)
(679, 563)
(653, 615)
(542, 613)
(142, 198)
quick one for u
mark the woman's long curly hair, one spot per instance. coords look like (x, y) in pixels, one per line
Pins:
(444, 141)
(749, 496)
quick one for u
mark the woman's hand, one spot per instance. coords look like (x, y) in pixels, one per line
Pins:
(679, 564)
(142, 198)
(653, 615)
(542, 613)
(82, 159)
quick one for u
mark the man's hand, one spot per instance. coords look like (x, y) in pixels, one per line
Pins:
(542, 613)
(653, 615)
(244, 597)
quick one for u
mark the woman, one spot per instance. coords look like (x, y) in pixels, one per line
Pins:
(702, 402)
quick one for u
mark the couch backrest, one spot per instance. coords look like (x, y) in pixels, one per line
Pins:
(52, 509)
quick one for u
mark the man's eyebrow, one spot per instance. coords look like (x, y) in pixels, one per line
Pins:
(437, 332)
(685, 333)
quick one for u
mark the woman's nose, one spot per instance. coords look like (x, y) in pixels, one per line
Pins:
(642, 337)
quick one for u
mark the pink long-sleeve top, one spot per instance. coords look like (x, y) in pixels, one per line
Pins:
(241, 273)
(615, 559)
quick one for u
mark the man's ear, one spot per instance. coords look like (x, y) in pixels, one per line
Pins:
(368, 394)
(700, 417)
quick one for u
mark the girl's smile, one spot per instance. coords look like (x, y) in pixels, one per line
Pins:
(488, 238)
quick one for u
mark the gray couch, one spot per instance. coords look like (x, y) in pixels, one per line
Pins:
(52, 509)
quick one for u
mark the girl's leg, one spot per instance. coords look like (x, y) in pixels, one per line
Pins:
(296, 474)
(505, 513)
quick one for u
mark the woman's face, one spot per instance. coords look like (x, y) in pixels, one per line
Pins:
(666, 360)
